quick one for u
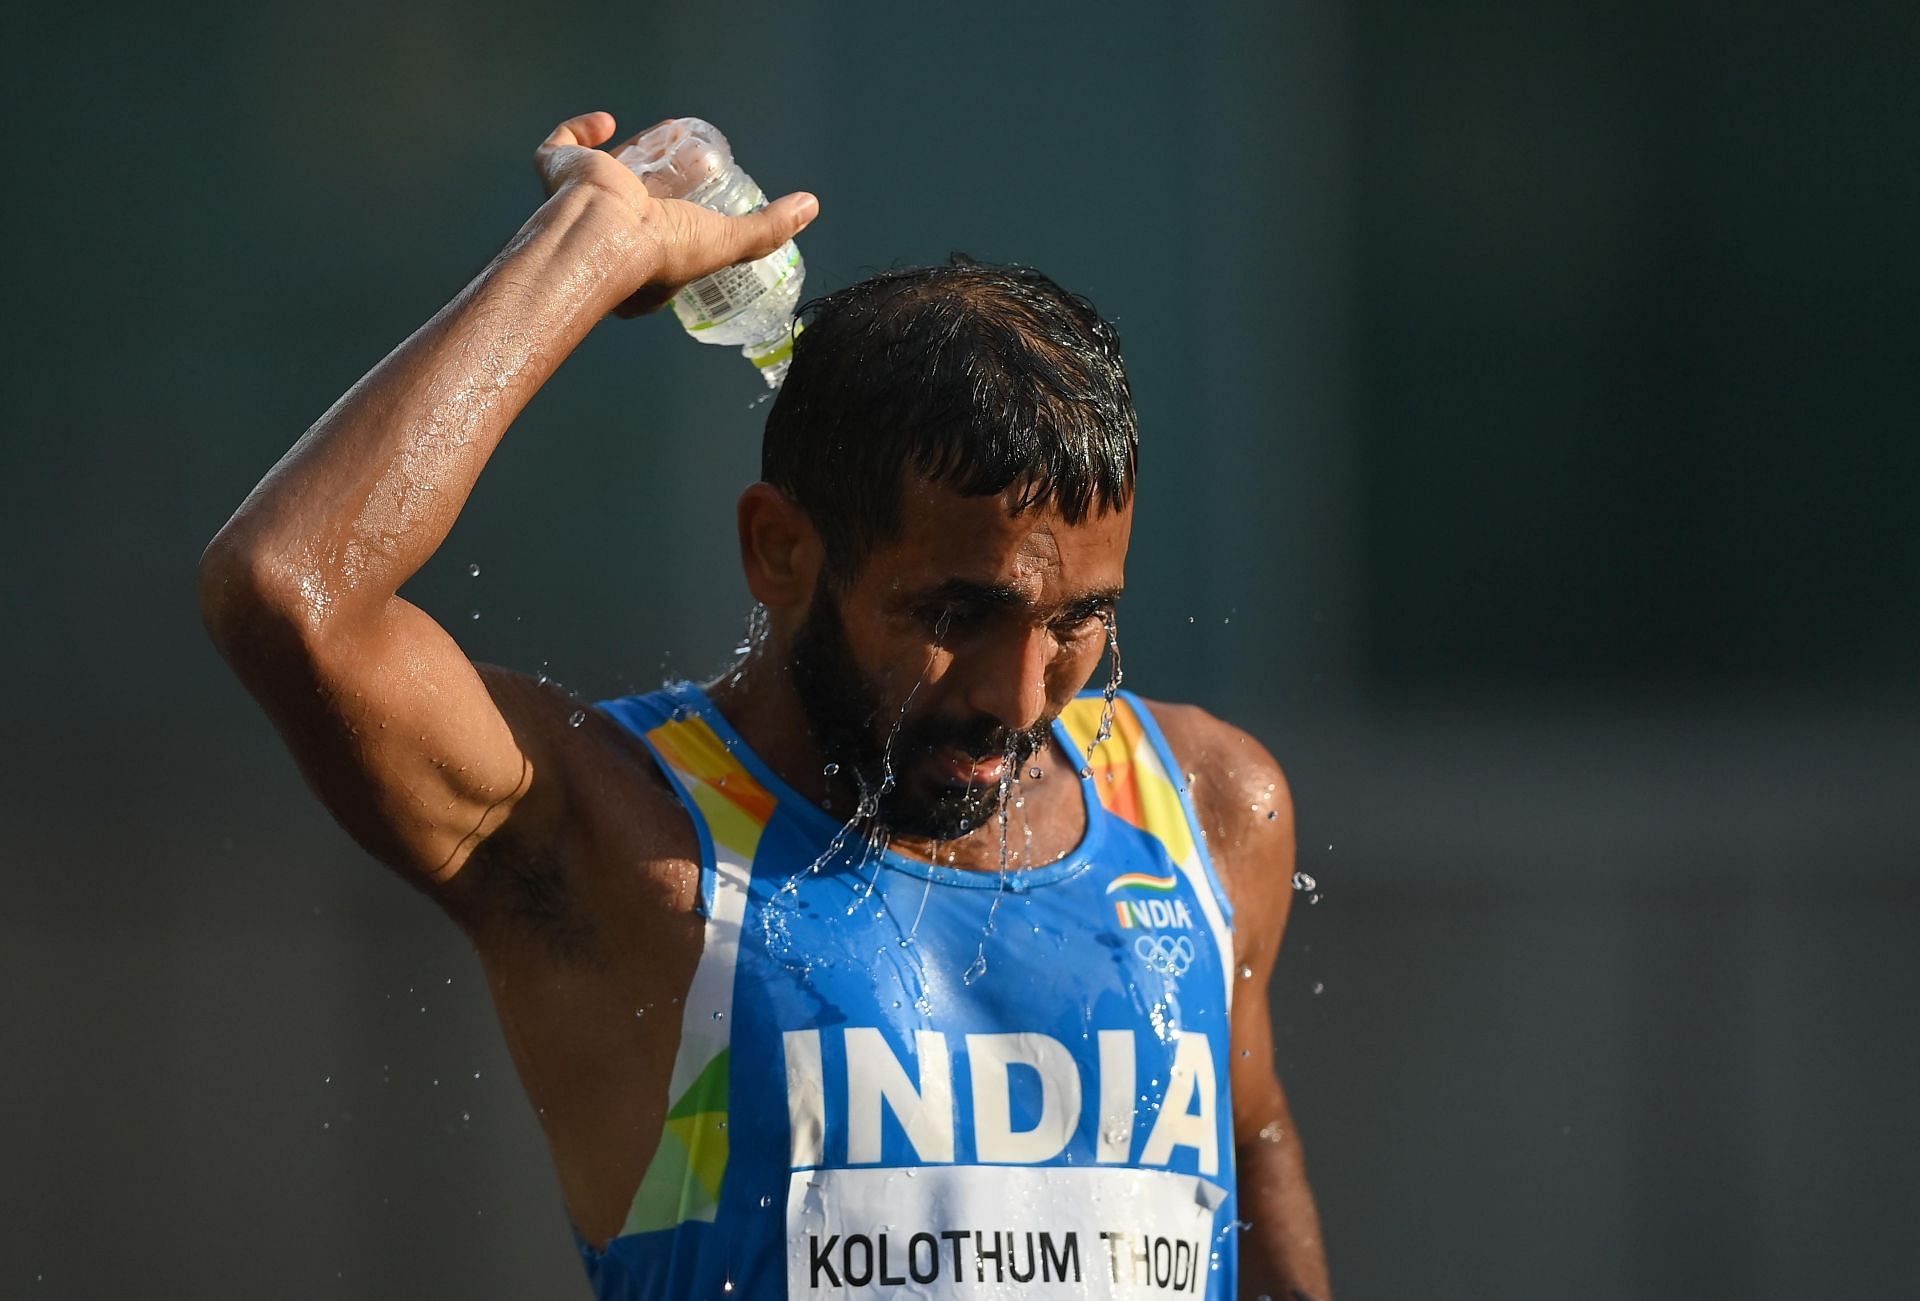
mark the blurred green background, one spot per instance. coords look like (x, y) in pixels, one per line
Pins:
(1529, 396)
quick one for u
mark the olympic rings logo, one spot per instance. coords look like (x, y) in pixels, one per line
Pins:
(1169, 955)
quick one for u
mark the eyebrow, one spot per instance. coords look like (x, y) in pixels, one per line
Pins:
(964, 591)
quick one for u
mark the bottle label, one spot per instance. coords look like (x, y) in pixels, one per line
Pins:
(715, 299)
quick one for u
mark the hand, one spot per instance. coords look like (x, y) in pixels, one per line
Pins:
(680, 241)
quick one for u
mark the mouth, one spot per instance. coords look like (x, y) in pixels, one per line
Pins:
(957, 767)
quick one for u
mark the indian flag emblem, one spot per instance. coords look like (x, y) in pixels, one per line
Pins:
(1141, 881)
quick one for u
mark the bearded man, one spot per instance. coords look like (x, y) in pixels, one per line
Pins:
(894, 957)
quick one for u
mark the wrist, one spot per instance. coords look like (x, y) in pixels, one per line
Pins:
(599, 235)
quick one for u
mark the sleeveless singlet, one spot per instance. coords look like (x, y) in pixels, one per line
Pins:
(901, 1078)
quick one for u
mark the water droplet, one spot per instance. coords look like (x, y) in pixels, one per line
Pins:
(1319, 987)
(1035, 773)
(1085, 773)
(473, 571)
(1189, 618)
(473, 614)
(578, 717)
(830, 770)
(1272, 814)
(1271, 1132)
(1246, 972)
(719, 1016)
(1313, 898)
(1301, 881)
(466, 1117)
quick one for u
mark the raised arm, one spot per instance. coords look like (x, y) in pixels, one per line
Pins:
(1244, 803)
(419, 754)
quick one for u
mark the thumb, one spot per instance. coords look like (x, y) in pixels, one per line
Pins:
(761, 232)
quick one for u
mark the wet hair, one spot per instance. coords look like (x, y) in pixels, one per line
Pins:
(975, 377)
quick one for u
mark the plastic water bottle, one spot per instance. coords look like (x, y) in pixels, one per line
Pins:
(750, 304)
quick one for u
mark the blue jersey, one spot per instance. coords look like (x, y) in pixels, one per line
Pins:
(895, 1076)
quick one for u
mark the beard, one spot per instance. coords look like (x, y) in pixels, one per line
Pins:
(882, 754)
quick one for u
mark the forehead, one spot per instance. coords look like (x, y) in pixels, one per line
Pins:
(945, 535)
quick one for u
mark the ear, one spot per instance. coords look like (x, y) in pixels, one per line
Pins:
(780, 550)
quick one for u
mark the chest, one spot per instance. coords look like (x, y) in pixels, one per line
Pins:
(909, 1018)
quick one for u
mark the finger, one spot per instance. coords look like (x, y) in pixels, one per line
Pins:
(759, 233)
(585, 131)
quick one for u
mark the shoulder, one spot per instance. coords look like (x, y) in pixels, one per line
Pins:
(1244, 805)
(1238, 787)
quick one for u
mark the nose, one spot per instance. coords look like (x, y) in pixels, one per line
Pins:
(1011, 684)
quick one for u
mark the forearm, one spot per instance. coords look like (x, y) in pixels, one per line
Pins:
(368, 494)
(1281, 1255)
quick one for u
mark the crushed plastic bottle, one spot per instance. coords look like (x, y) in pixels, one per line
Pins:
(750, 304)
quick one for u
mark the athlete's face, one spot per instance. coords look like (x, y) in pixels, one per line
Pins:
(937, 673)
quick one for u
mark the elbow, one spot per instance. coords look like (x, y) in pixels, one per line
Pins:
(251, 598)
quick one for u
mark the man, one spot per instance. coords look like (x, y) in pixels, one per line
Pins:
(889, 959)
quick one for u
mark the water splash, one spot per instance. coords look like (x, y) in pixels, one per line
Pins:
(1116, 675)
(750, 644)
(1009, 785)
(775, 929)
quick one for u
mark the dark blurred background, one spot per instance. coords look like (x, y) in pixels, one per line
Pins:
(1529, 396)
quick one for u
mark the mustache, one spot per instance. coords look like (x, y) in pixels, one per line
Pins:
(979, 739)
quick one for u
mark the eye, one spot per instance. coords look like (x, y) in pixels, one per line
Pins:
(1083, 621)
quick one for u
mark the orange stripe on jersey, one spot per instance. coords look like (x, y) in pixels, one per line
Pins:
(693, 747)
